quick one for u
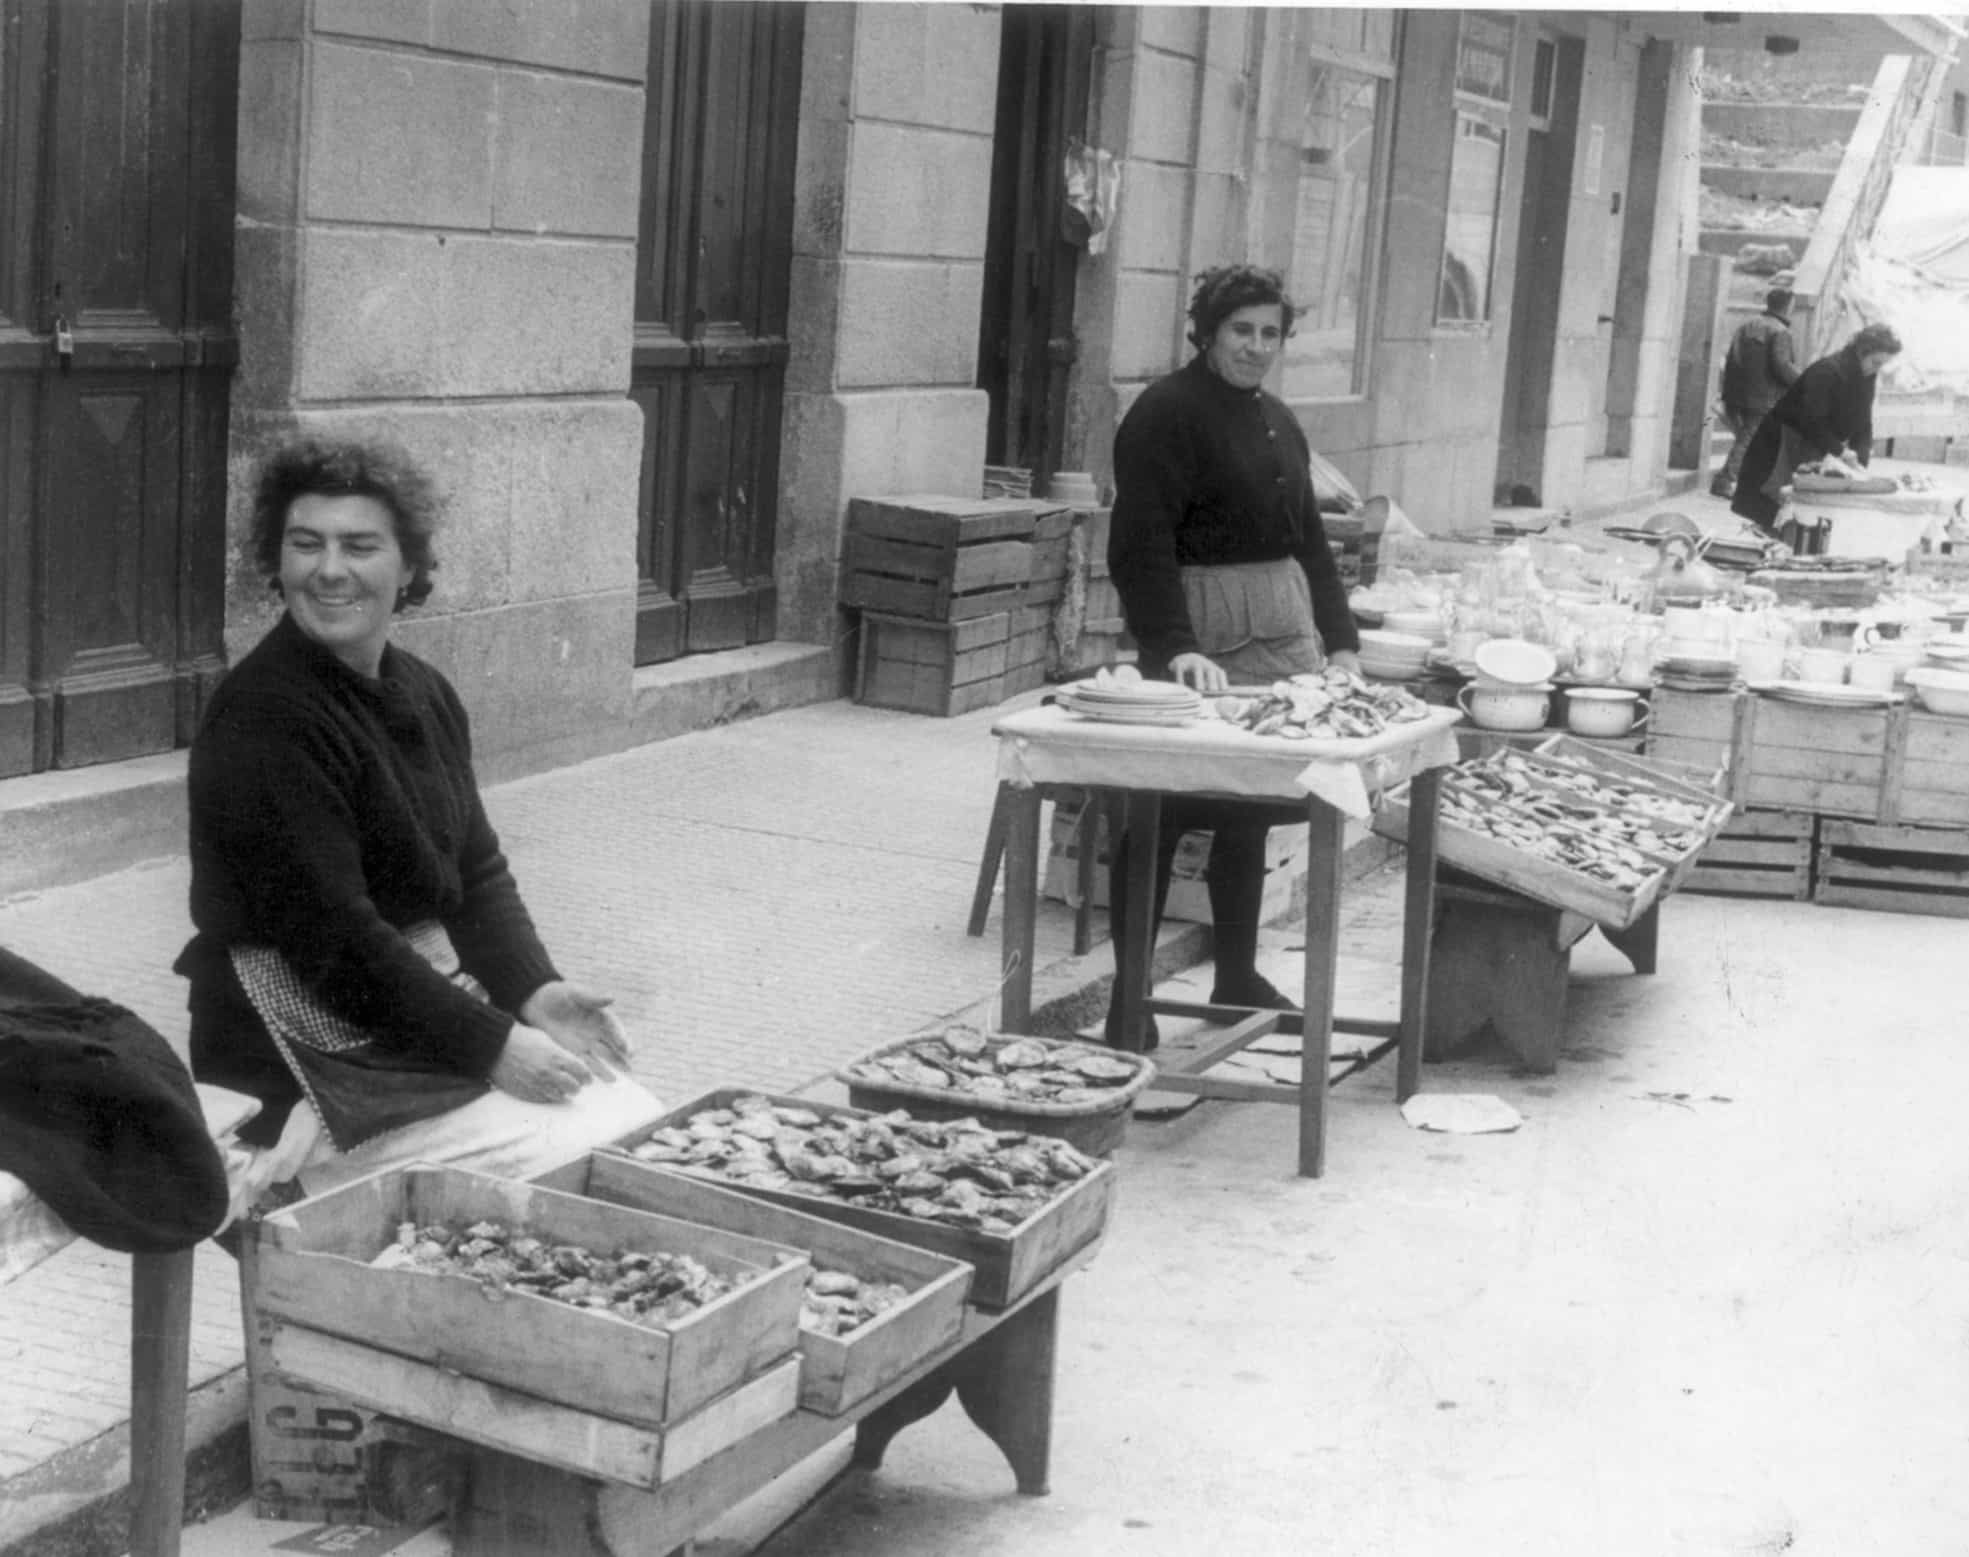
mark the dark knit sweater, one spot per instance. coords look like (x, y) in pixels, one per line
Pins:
(329, 812)
(1206, 473)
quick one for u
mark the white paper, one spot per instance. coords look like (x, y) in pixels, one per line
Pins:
(1461, 1113)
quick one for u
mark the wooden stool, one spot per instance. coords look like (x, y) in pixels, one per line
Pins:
(1503, 960)
(1085, 841)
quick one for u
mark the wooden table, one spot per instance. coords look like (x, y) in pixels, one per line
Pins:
(1050, 746)
(1000, 1368)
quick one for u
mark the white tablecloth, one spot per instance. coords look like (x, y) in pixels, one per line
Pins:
(1051, 746)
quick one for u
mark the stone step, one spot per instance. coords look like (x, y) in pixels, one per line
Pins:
(1795, 186)
(1782, 124)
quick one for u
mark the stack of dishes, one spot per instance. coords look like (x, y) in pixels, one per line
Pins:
(1695, 667)
(1392, 656)
(1136, 702)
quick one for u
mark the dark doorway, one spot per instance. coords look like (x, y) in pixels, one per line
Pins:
(1526, 416)
(1026, 343)
(713, 258)
(117, 121)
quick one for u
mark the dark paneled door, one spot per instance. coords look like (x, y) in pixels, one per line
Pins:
(1026, 344)
(116, 203)
(710, 354)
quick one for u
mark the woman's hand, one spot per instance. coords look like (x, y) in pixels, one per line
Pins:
(1346, 659)
(536, 1068)
(1199, 671)
(580, 1021)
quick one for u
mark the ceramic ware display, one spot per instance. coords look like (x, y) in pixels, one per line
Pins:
(1604, 713)
(1506, 706)
(1517, 662)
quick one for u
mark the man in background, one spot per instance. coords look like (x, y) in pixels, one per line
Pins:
(1758, 369)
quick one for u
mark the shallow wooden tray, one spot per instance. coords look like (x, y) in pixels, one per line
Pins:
(314, 1271)
(837, 1372)
(1008, 1264)
(514, 1422)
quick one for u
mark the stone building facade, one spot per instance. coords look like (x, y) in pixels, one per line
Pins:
(443, 213)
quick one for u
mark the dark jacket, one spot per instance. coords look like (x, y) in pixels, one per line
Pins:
(100, 1119)
(329, 813)
(1759, 367)
(1829, 408)
(1206, 473)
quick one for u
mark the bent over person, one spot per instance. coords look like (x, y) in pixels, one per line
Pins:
(364, 964)
(1828, 411)
(1218, 554)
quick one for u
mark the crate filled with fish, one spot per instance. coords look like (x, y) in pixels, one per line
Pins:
(873, 1309)
(1601, 835)
(1081, 1092)
(1011, 1203)
(531, 1320)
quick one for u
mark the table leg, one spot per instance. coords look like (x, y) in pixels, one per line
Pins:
(160, 1355)
(1640, 942)
(1134, 952)
(1021, 907)
(1005, 1384)
(875, 1431)
(1418, 929)
(1323, 856)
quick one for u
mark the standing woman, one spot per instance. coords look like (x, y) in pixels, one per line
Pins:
(361, 944)
(1225, 577)
(1828, 410)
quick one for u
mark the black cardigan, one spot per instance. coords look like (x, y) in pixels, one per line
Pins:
(1830, 406)
(1206, 473)
(329, 813)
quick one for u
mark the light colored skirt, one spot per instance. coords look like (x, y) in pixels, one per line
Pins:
(1255, 619)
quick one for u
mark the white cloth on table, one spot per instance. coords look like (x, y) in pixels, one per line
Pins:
(1052, 746)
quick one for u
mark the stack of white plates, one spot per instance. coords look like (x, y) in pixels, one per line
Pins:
(1135, 702)
(1392, 656)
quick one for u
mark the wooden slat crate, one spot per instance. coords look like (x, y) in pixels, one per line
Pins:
(1901, 870)
(1832, 761)
(1758, 854)
(1052, 545)
(940, 559)
(941, 668)
(837, 1372)
(1934, 772)
(1692, 729)
(1007, 1265)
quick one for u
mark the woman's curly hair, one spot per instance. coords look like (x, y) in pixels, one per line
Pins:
(1224, 289)
(1875, 337)
(336, 468)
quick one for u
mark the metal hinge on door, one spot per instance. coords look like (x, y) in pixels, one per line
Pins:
(64, 341)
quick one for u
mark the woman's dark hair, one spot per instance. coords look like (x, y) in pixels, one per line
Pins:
(1874, 337)
(1223, 290)
(330, 468)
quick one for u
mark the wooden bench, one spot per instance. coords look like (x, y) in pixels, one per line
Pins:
(1503, 961)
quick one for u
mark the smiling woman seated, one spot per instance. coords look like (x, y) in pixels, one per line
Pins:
(361, 941)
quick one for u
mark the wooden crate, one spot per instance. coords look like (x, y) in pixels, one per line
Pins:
(1008, 1265)
(940, 668)
(837, 1372)
(1934, 773)
(1758, 854)
(1900, 870)
(314, 1273)
(1831, 761)
(940, 559)
(1052, 548)
(1693, 729)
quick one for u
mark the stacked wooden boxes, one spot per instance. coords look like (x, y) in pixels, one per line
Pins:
(1030, 653)
(939, 582)
(1913, 857)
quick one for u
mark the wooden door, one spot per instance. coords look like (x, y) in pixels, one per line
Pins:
(1026, 344)
(116, 201)
(710, 354)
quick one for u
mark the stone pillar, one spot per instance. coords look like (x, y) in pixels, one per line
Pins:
(437, 243)
(891, 207)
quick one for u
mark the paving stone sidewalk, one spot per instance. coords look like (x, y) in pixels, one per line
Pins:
(764, 900)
